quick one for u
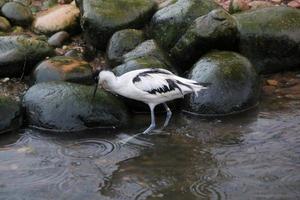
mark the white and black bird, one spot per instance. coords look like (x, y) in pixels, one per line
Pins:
(151, 86)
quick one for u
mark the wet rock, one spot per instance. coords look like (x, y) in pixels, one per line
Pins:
(216, 30)
(121, 43)
(63, 68)
(260, 4)
(10, 114)
(4, 24)
(55, 19)
(17, 13)
(148, 48)
(238, 6)
(234, 85)
(58, 39)
(100, 18)
(270, 38)
(170, 23)
(18, 53)
(69, 107)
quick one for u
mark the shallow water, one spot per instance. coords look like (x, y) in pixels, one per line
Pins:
(255, 155)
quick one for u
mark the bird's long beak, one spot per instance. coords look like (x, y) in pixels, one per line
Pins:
(95, 90)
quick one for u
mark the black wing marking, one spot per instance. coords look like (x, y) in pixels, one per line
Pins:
(171, 86)
(137, 78)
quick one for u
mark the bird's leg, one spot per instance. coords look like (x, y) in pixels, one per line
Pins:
(152, 125)
(169, 114)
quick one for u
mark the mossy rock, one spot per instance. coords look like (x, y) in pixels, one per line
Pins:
(171, 22)
(63, 68)
(10, 114)
(62, 106)
(17, 13)
(4, 24)
(57, 18)
(19, 53)
(270, 38)
(235, 85)
(121, 43)
(102, 18)
(216, 30)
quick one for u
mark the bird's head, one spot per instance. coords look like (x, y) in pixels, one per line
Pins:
(104, 80)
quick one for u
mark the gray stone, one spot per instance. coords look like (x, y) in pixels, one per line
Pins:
(121, 43)
(63, 68)
(19, 53)
(58, 39)
(171, 22)
(101, 19)
(270, 38)
(63, 106)
(10, 114)
(17, 13)
(216, 30)
(234, 88)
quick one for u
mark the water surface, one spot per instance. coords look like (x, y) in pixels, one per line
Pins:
(255, 155)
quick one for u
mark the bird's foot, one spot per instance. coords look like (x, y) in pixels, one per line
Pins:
(149, 129)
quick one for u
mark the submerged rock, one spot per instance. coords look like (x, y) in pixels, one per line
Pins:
(19, 53)
(100, 18)
(216, 30)
(10, 114)
(57, 18)
(70, 107)
(4, 24)
(17, 13)
(58, 38)
(63, 68)
(270, 38)
(171, 22)
(234, 85)
(121, 43)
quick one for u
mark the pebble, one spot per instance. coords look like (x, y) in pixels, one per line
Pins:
(58, 38)
(272, 82)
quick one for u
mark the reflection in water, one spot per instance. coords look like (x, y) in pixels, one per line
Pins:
(250, 156)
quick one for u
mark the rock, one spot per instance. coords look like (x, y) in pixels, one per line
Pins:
(58, 39)
(234, 85)
(17, 30)
(17, 13)
(10, 114)
(63, 68)
(270, 38)
(2, 2)
(24, 2)
(294, 4)
(121, 43)
(101, 19)
(66, 106)
(57, 18)
(216, 30)
(238, 6)
(259, 4)
(21, 52)
(74, 53)
(4, 24)
(148, 48)
(272, 82)
(171, 22)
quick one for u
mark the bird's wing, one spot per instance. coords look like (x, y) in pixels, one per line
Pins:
(156, 81)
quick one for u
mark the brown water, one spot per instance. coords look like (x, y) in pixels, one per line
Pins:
(255, 155)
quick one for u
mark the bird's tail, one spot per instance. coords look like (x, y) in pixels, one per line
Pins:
(194, 86)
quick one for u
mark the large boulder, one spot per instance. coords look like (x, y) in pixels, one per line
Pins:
(121, 43)
(10, 114)
(171, 22)
(17, 13)
(63, 68)
(21, 53)
(101, 18)
(216, 30)
(57, 18)
(234, 85)
(270, 38)
(66, 106)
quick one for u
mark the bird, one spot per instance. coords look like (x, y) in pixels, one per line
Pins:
(153, 86)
